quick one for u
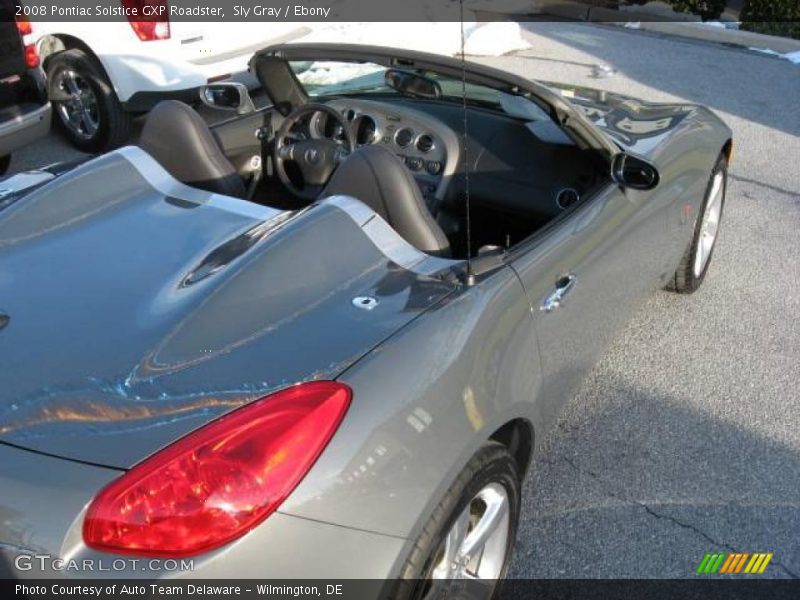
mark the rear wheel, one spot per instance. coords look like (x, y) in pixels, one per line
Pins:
(88, 109)
(5, 162)
(468, 540)
(693, 266)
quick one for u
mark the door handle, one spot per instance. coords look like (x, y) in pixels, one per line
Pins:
(555, 297)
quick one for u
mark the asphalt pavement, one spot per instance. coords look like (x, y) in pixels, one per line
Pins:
(686, 437)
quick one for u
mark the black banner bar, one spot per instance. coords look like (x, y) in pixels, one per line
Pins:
(308, 11)
(513, 589)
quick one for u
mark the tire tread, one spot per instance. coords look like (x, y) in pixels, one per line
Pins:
(684, 280)
(416, 562)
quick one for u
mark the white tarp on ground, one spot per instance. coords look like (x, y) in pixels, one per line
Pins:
(793, 57)
(324, 73)
(491, 39)
(495, 39)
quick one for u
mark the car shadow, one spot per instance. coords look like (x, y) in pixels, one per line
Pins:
(644, 486)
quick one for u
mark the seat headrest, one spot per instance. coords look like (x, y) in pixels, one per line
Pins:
(378, 178)
(180, 140)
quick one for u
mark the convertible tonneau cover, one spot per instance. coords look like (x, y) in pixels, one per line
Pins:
(141, 308)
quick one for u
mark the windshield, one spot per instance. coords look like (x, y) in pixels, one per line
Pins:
(330, 78)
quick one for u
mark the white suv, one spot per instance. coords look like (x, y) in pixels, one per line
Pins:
(101, 74)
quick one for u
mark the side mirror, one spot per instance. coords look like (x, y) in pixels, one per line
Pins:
(411, 84)
(228, 95)
(634, 172)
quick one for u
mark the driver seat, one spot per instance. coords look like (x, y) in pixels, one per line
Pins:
(179, 139)
(379, 179)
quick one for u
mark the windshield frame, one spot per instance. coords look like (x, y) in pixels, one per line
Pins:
(480, 96)
(560, 110)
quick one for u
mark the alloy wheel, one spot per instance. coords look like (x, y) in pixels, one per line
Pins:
(476, 545)
(79, 109)
(710, 224)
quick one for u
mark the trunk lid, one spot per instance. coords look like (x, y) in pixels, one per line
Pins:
(139, 309)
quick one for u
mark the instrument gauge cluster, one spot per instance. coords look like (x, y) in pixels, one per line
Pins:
(427, 147)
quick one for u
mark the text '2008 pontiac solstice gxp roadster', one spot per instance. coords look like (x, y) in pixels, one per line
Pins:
(325, 338)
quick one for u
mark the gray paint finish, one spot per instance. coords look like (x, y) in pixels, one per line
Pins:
(94, 268)
(422, 404)
(134, 356)
(28, 526)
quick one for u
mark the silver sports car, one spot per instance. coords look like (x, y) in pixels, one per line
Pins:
(324, 337)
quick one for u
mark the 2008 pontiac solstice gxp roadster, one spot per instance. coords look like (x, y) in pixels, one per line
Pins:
(264, 346)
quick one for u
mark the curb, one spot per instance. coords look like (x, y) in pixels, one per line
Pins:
(675, 24)
(720, 35)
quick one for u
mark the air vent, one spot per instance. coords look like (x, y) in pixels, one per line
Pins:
(567, 197)
(403, 137)
(424, 143)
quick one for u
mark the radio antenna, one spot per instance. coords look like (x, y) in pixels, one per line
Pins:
(470, 279)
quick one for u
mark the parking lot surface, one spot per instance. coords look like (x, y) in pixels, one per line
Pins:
(686, 438)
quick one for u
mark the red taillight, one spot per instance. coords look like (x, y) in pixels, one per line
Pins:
(219, 482)
(149, 31)
(151, 21)
(24, 26)
(31, 56)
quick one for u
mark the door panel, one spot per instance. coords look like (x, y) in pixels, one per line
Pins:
(583, 277)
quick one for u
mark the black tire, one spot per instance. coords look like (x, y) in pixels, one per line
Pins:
(685, 281)
(491, 464)
(114, 123)
(5, 162)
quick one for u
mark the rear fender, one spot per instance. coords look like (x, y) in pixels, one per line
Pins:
(423, 403)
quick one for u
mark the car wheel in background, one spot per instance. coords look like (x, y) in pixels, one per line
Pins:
(5, 162)
(694, 264)
(87, 106)
(470, 534)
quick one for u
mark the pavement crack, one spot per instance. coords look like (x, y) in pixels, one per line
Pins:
(762, 184)
(693, 528)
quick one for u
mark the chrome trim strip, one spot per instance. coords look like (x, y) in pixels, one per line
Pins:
(355, 209)
(20, 182)
(391, 244)
(386, 239)
(165, 183)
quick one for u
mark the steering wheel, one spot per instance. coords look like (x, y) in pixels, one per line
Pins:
(316, 159)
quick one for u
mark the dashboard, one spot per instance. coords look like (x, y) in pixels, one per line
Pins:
(427, 147)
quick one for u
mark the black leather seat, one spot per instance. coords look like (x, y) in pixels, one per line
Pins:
(179, 139)
(378, 178)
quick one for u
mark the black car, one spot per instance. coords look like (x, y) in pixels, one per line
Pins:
(24, 108)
